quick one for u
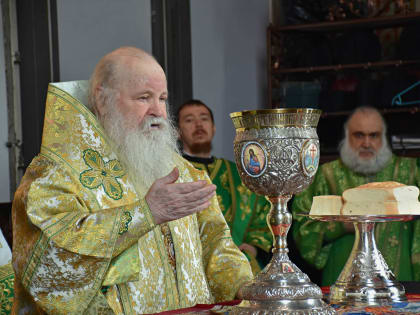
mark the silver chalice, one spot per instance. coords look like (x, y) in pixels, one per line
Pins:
(277, 155)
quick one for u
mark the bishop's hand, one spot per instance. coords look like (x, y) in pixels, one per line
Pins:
(169, 200)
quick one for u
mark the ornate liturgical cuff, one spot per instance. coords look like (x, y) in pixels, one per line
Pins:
(134, 222)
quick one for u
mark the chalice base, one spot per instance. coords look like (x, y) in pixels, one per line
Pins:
(280, 289)
(357, 294)
(366, 278)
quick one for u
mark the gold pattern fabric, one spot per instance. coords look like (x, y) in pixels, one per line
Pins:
(85, 240)
(6, 277)
(6, 289)
(169, 245)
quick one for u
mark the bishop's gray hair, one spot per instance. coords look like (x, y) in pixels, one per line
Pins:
(109, 73)
(105, 75)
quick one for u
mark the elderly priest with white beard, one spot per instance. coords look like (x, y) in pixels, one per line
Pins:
(365, 156)
(109, 218)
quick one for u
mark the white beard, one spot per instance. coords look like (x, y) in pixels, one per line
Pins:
(352, 160)
(146, 152)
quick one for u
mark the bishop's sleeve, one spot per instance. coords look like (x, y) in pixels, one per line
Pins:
(62, 244)
(225, 265)
(55, 205)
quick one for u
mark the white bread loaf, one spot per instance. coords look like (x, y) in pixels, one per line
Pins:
(326, 205)
(377, 198)
(381, 198)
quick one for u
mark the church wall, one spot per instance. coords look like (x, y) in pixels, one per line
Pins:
(228, 40)
(89, 29)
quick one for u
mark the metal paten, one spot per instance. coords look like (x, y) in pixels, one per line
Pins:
(277, 155)
(366, 278)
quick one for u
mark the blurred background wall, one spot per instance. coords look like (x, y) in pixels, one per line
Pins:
(89, 29)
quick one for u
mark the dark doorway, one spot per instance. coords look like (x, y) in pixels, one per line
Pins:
(171, 45)
(38, 61)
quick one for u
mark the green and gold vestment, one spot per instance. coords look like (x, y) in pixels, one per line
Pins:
(327, 246)
(244, 211)
(85, 241)
(6, 277)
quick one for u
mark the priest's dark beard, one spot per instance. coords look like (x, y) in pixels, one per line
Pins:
(201, 148)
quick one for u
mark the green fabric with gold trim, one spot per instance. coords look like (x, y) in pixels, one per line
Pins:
(85, 240)
(244, 211)
(326, 245)
(6, 289)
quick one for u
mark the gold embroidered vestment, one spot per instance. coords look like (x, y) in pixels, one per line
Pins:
(85, 240)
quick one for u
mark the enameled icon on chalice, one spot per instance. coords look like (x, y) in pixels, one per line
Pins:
(254, 159)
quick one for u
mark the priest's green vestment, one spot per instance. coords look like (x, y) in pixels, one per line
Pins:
(6, 277)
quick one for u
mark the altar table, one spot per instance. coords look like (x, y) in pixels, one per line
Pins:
(411, 307)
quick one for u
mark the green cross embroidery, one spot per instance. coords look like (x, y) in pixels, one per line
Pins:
(101, 173)
(125, 221)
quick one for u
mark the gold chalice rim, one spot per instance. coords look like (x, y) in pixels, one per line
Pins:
(256, 112)
(277, 118)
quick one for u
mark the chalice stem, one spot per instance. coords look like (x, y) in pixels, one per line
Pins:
(279, 221)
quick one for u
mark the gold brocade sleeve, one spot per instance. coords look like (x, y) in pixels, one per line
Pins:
(226, 266)
(63, 243)
(57, 207)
